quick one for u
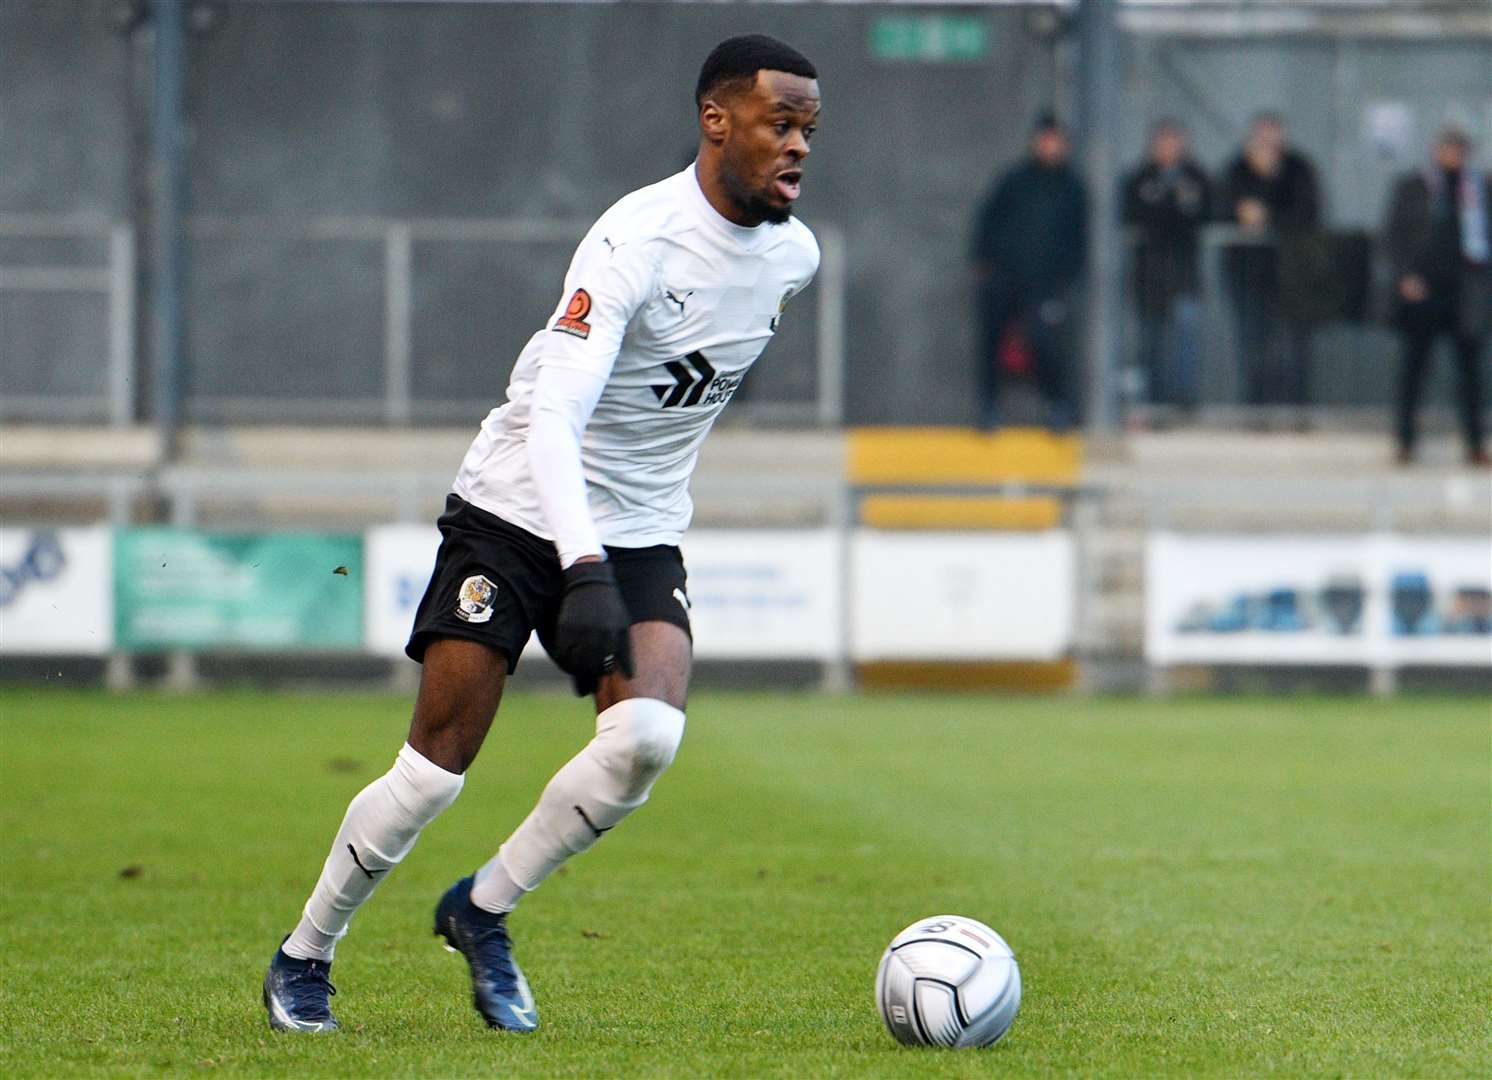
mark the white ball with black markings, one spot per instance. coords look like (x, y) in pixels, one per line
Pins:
(948, 981)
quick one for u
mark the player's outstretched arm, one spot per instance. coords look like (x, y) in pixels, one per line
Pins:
(606, 285)
(591, 631)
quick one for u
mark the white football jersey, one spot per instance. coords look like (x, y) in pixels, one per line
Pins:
(671, 303)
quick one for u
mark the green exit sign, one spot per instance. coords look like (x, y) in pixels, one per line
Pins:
(929, 38)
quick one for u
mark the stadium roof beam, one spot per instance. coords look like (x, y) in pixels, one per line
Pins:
(168, 195)
(1389, 19)
(1100, 87)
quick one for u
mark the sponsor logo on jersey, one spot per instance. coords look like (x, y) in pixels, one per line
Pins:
(576, 312)
(695, 383)
(474, 601)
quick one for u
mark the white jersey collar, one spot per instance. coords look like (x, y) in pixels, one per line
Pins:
(747, 237)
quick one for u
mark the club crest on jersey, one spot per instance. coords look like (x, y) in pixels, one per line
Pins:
(781, 307)
(474, 601)
(576, 312)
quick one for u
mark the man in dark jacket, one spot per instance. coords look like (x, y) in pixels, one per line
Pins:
(1166, 202)
(1439, 241)
(1270, 192)
(1029, 246)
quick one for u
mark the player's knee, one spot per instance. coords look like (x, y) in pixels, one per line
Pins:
(422, 788)
(653, 746)
(644, 735)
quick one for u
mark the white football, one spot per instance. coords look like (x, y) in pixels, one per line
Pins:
(948, 981)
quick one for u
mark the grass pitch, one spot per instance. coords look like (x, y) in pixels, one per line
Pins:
(1193, 887)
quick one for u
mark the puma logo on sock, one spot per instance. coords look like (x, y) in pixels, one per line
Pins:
(591, 825)
(370, 873)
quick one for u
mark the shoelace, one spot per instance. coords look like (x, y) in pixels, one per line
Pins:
(485, 941)
(305, 986)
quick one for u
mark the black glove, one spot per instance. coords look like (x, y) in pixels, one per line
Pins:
(590, 634)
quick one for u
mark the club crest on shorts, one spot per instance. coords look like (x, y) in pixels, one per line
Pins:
(474, 601)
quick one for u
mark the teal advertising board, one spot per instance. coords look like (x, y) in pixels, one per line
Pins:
(188, 589)
(938, 38)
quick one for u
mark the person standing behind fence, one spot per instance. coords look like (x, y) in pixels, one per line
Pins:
(1439, 240)
(1029, 246)
(1270, 193)
(1166, 202)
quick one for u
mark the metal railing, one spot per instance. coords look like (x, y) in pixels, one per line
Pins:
(115, 279)
(397, 237)
(114, 275)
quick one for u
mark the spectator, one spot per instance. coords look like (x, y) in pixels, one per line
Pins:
(1439, 240)
(1270, 192)
(1167, 201)
(1030, 243)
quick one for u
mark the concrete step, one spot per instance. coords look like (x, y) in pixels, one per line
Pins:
(78, 448)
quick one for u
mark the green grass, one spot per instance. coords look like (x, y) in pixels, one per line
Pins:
(1193, 887)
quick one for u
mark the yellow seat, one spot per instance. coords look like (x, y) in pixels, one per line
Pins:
(961, 457)
(960, 512)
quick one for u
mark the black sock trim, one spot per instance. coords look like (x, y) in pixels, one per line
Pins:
(591, 825)
(353, 851)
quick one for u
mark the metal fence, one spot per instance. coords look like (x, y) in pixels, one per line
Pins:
(103, 373)
(104, 377)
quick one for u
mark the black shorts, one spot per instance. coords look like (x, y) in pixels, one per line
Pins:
(496, 583)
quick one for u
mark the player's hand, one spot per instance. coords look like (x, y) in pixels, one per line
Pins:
(591, 633)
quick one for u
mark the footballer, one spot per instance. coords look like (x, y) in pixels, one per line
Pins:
(565, 519)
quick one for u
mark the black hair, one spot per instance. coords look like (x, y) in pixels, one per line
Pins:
(1047, 120)
(740, 58)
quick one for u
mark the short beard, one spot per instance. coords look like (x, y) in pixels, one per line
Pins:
(753, 205)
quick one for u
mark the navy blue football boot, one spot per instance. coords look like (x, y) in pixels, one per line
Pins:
(498, 988)
(297, 994)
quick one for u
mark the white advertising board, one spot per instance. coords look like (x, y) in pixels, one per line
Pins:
(56, 591)
(1369, 599)
(397, 560)
(962, 596)
(760, 594)
(1439, 599)
(764, 594)
(1259, 599)
(754, 594)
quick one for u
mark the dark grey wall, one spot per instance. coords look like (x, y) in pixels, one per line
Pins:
(527, 110)
(64, 148)
(556, 111)
(64, 105)
(311, 109)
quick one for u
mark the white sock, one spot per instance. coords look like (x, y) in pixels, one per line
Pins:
(381, 826)
(635, 741)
